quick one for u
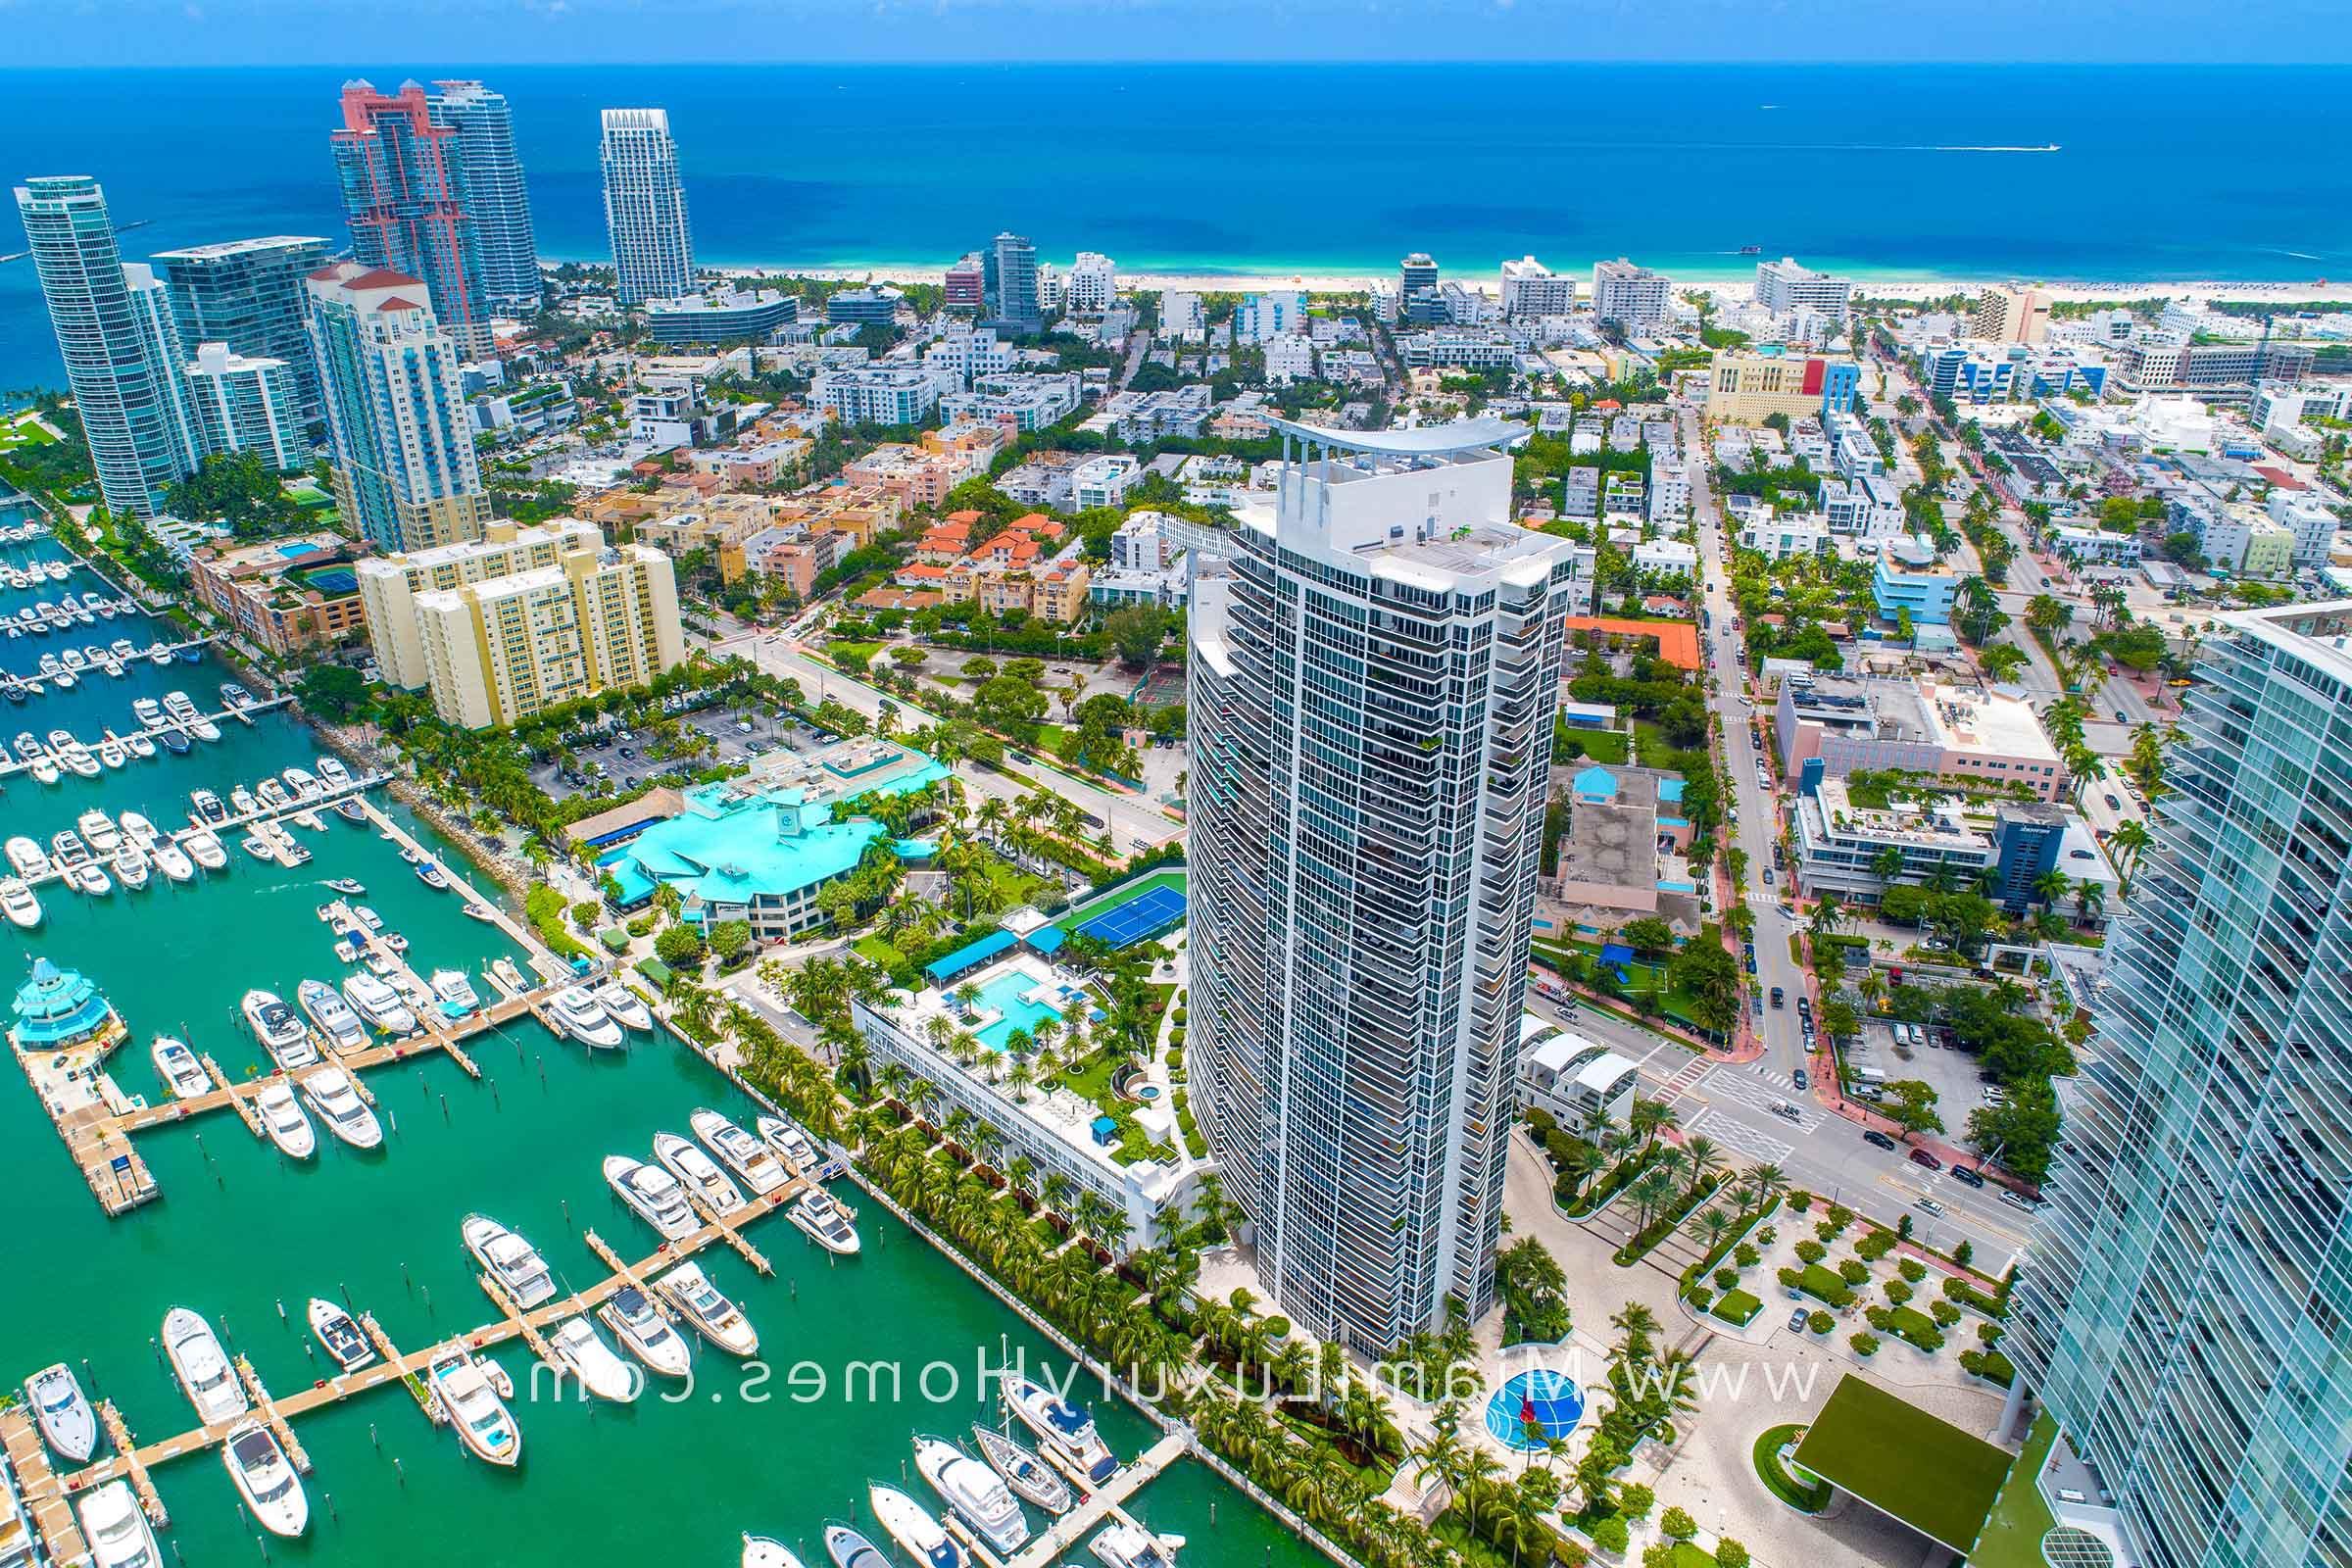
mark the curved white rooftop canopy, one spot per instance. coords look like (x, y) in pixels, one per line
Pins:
(1421, 441)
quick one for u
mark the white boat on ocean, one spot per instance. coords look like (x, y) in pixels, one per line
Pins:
(21, 905)
(645, 1334)
(62, 1411)
(698, 1174)
(335, 1018)
(98, 831)
(283, 1120)
(202, 1367)
(264, 1478)
(131, 866)
(586, 1356)
(1126, 1545)
(182, 1072)
(577, 1013)
(790, 1143)
(655, 1194)
(976, 1493)
(766, 1551)
(116, 1530)
(849, 1549)
(513, 1262)
(475, 1412)
(173, 862)
(26, 857)
(753, 1162)
(624, 1006)
(375, 1001)
(1066, 1430)
(1031, 1479)
(340, 1334)
(820, 1217)
(280, 1030)
(713, 1315)
(337, 1103)
(204, 849)
(455, 992)
(918, 1535)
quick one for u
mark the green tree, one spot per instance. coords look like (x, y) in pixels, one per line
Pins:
(1911, 1105)
(1137, 632)
(332, 692)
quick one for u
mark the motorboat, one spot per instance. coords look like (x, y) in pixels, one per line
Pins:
(1066, 1430)
(111, 753)
(282, 1119)
(140, 744)
(655, 1194)
(90, 878)
(337, 1101)
(75, 758)
(911, 1525)
(116, 1531)
(242, 801)
(789, 1141)
(713, 1315)
(698, 1174)
(766, 1551)
(479, 1417)
(173, 862)
(45, 771)
(1031, 1479)
(209, 810)
(150, 713)
(339, 1332)
(1127, 1546)
(455, 992)
(67, 846)
(273, 795)
(820, 1217)
(138, 830)
(753, 1162)
(175, 742)
(973, 1491)
(280, 1030)
(377, 1003)
(204, 729)
(122, 649)
(27, 747)
(159, 653)
(577, 1014)
(131, 866)
(849, 1549)
(513, 1262)
(429, 873)
(348, 888)
(350, 810)
(331, 770)
(587, 1358)
(22, 907)
(369, 920)
(264, 1478)
(98, 831)
(234, 695)
(334, 1018)
(62, 1410)
(182, 1072)
(645, 1334)
(202, 1367)
(26, 857)
(308, 821)
(623, 1007)
(300, 782)
(204, 849)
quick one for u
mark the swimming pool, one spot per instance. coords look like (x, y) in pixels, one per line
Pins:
(1550, 1399)
(1007, 993)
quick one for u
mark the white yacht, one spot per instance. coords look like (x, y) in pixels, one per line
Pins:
(973, 1491)
(752, 1161)
(340, 1333)
(26, 857)
(849, 1549)
(911, 1525)
(576, 1012)
(138, 830)
(510, 1260)
(586, 1355)
(789, 1141)
(475, 1412)
(44, 771)
(697, 1173)
(273, 793)
(264, 1478)
(149, 713)
(1066, 1430)
(98, 831)
(382, 1005)
(110, 751)
(1126, 1545)
(455, 992)
(90, 878)
(208, 811)
(22, 907)
(116, 1530)
(139, 745)
(654, 1194)
(173, 862)
(202, 1366)
(283, 1120)
(182, 1072)
(338, 1104)
(278, 1029)
(820, 1216)
(325, 1007)
(131, 866)
(62, 1410)
(300, 782)
(1031, 1479)
(242, 802)
(623, 1007)
(713, 1315)
(204, 849)
(332, 772)
(77, 759)
(645, 1334)
(766, 1551)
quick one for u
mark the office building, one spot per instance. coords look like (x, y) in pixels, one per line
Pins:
(644, 207)
(875, 306)
(1974, 739)
(736, 315)
(388, 584)
(239, 404)
(1636, 298)
(499, 651)
(403, 196)
(878, 394)
(966, 284)
(1531, 289)
(2011, 316)
(1373, 675)
(406, 477)
(247, 293)
(2180, 1314)
(1783, 286)
(1012, 297)
(495, 194)
(127, 385)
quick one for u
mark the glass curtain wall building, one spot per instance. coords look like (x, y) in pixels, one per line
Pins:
(2186, 1308)
(644, 207)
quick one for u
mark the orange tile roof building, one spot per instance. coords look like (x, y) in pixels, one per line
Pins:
(1677, 640)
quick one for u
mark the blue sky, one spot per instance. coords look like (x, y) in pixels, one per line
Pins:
(164, 33)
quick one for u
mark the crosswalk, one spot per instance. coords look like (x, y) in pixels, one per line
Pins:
(1683, 1079)
(1760, 1093)
(1729, 1132)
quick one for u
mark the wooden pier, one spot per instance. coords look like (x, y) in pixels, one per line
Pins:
(1102, 1506)
(391, 1364)
(132, 1463)
(727, 1231)
(44, 1498)
(627, 1275)
(520, 1320)
(296, 1454)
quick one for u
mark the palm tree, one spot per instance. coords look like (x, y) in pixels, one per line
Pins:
(2051, 886)
(1764, 1183)
(1650, 1192)
(1706, 1160)
(2089, 897)
(1711, 1225)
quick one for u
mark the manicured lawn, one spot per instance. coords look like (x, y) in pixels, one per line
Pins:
(24, 431)
(1611, 746)
(1823, 1284)
(842, 651)
(1776, 1477)
(875, 950)
(1738, 1307)
(2012, 1537)
(1936, 1478)
(1913, 1324)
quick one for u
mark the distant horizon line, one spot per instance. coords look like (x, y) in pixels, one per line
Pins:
(1338, 60)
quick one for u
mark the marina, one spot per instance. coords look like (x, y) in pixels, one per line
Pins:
(248, 1236)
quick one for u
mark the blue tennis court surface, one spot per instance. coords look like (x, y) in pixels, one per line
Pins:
(1137, 920)
(1540, 1400)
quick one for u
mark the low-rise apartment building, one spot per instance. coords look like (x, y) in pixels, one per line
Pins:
(1977, 739)
(287, 596)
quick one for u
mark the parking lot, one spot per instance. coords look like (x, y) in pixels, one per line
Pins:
(1949, 1071)
(618, 761)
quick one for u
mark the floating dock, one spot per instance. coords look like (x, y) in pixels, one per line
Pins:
(1098, 1507)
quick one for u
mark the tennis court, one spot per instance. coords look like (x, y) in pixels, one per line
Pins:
(1137, 920)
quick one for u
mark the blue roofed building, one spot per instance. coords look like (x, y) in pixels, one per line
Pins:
(1927, 592)
(61, 1010)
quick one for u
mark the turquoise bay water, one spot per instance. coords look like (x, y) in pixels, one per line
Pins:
(240, 1233)
(1880, 169)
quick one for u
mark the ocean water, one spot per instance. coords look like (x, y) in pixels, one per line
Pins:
(241, 1235)
(2162, 173)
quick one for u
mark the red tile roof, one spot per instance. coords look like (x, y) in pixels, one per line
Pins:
(385, 277)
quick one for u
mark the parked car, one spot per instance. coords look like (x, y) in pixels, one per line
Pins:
(1966, 1175)
(1919, 1157)
(1798, 1317)
(1878, 1140)
(1785, 1111)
